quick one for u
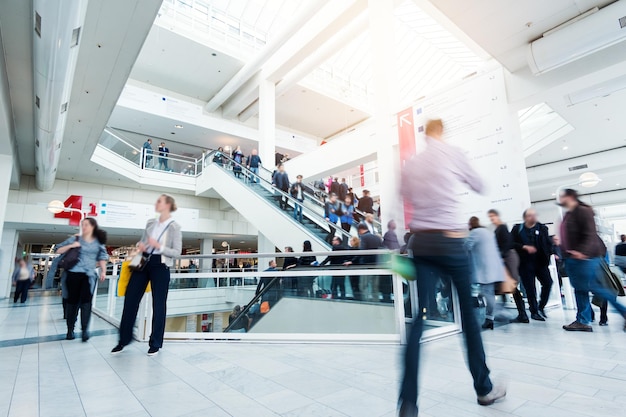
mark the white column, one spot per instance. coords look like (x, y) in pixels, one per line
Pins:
(9, 242)
(267, 123)
(381, 23)
(8, 252)
(265, 246)
(206, 248)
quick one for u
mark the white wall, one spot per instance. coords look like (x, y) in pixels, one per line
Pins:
(8, 249)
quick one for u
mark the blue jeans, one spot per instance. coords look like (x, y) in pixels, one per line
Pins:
(255, 177)
(297, 212)
(583, 275)
(435, 255)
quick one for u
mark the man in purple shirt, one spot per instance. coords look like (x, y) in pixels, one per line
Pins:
(429, 184)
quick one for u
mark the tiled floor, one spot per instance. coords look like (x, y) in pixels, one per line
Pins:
(548, 372)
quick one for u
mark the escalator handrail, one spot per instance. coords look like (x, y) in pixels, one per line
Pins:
(252, 302)
(306, 211)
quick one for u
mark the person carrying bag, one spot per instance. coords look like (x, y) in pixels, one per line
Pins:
(160, 244)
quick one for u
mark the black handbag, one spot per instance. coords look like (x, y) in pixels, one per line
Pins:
(70, 258)
(611, 281)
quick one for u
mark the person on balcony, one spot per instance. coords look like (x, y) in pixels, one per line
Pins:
(163, 153)
(146, 157)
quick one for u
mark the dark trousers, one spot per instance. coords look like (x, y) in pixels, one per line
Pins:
(528, 271)
(338, 284)
(158, 275)
(354, 283)
(435, 254)
(385, 285)
(79, 296)
(332, 230)
(346, 226)
(21, 290)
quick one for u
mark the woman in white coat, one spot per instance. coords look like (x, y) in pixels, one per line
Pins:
(487, 267)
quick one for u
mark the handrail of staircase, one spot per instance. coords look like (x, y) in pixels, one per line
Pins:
(208, 159)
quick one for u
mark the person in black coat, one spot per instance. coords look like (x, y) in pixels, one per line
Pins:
(305, 284)
(532, 242)
(369, 241)
(289, 284)
(365, 205)
(280, 180)
(335, 187)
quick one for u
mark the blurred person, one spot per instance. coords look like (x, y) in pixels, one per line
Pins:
(338, 283)
(254, 163)
(237, 157)
(329, 183)
(146, 156)
(218, 156)
(242, 325)
(369, 241)
(161, 242)
(280, 180)
(163, 153)
(305, 284)
(357, 283)
(511, 262)
(330, 214)
(558, 258)
(23, 277)
(290, 284)
(81, 278)
(487, 267)
(366, 204)
(369, 222)
(297, 191)
(583, 250)
(390, 239)
(404, 248)
(278, 158)
(532, 242)
(620, 254)
(347, 214)
(352, 196)
(430, 184)
(335, 187)
(270, 286)
(343, 190)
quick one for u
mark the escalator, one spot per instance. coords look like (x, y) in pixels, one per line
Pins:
(259, 203)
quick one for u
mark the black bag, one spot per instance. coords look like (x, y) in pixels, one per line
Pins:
(70, 258)
(610, 281)
(339, 211)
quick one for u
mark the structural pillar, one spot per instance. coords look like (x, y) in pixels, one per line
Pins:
(265, 246)
(9, 239)
(382, 24)
(206, 248)
(267, 123)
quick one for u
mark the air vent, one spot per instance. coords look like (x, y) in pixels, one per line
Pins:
(63, 107)
(38, 24)
(75, 37)
(578, 167)
(37, 101)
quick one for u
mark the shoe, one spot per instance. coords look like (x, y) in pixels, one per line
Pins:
(117, 349)
(495, 394)
(70, 335)
(153, 351)
(85, 336)
(578, 327)
(536, 316)
(488, 324)
(603, 323)
(407, 410)
(543, 313)
(521, 319)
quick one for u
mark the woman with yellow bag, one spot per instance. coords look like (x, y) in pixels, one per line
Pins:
(161, 242)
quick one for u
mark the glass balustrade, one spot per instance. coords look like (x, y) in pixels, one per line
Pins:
(313, 296)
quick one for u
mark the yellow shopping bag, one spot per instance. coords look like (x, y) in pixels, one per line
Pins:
(124, 279)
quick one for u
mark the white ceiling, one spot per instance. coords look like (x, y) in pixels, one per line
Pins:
(177, 63)
(504, 28)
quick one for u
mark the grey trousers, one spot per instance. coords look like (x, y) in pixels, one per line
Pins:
(488, 292)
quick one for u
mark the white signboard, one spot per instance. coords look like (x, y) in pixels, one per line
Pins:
(126, 215)
(477, 119)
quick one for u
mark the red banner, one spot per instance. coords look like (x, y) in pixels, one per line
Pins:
(406, 135)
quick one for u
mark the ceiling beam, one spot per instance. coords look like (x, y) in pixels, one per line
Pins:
(254, 65)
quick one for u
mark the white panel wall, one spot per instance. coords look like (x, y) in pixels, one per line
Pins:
(8, 249)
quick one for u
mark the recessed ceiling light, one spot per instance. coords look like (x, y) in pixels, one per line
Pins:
(178, 126)
(213, 54)
(172, 133)
(565, 147)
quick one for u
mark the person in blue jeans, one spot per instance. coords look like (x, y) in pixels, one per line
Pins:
(254, 163)
(583, 251)
(429, 185)
(297, 191)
